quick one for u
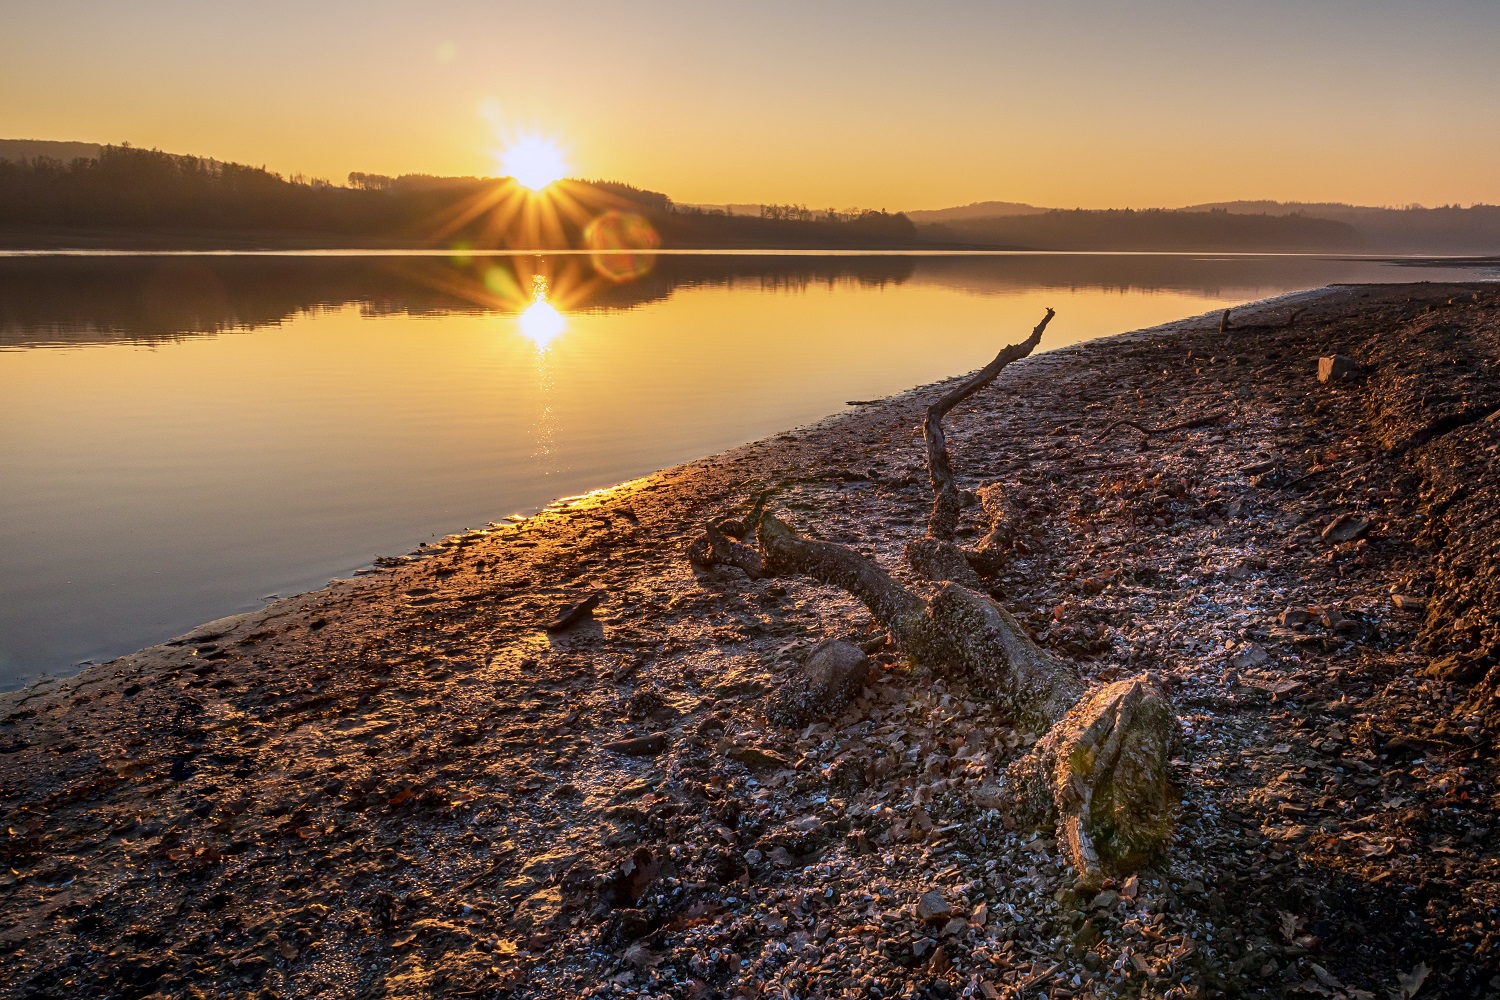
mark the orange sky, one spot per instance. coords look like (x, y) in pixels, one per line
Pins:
(1069, 103)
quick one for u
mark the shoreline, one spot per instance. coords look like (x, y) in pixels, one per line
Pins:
(401, 783)
(227, 622)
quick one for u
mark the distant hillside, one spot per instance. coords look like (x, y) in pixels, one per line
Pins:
(26, 150)
(1444, 230)
(976, 210)
(1450, 229)
(1153, 230)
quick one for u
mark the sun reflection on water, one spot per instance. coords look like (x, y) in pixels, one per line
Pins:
(540, 322)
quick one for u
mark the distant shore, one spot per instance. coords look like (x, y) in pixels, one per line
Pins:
(403, 783)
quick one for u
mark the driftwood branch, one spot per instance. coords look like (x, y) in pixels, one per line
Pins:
(1099, 772)
(946, 500)
(935, 555)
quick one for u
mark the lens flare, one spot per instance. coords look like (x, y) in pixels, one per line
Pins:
(540, 322)
(534, 161)
(621, 245)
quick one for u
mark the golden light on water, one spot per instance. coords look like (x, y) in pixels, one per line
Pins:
(540, 322)
(534, 161)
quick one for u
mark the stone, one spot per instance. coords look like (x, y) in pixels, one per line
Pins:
(629, 925)
(1337, 368)
(756, 758)
(1345, 528)
(933, 908)
(823, 686)
(1296, 618)
(1251, 656)
(1410, 602)
(639, 746)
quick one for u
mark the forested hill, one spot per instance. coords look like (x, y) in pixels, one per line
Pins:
(1154, 229)
(1244, 225)
(134, 197)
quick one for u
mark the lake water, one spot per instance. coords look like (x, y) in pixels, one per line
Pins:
(182, 436)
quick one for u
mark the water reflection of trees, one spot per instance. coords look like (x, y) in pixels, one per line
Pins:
(83, 300)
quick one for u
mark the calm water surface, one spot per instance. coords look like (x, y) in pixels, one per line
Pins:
(183, 436)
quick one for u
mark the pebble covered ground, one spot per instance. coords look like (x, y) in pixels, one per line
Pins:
(405, 785)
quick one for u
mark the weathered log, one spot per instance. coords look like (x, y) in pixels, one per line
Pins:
(1100, 772)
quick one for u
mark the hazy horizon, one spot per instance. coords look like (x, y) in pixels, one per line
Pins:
(1163, 104)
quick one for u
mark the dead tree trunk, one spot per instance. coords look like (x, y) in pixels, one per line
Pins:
(1099, 773)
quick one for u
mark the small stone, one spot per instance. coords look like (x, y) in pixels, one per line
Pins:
(1345, 528)
(1105, 900)
(1409, 602)
(756, 758)
(822, 686)
(1087, 935)
(576, 613)
(1252, 656)
(933, 908)
(1296, 618)
(957, 925)
(639, 746)
(1337, 368)
(630, 925)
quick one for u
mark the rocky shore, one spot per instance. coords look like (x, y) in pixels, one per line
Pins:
(408, 784)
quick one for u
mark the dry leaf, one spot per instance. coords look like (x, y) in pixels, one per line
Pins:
(1412, 981)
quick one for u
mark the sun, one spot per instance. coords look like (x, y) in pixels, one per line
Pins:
(534, 161)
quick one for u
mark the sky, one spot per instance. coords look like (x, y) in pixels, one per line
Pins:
(874, 104)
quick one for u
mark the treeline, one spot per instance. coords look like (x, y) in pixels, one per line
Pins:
(141, 190)
(1152, 229)
(141, 197)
